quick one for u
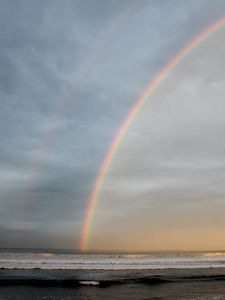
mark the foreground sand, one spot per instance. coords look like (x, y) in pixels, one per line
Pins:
(113, 284)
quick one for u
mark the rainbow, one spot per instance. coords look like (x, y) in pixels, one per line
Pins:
(134, 110)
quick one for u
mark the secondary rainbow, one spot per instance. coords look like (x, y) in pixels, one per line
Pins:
(136, 107)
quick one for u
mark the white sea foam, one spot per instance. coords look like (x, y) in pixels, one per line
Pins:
(88, 282)
(28, 260)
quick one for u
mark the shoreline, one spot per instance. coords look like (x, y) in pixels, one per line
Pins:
(167, 284)
(105, 278)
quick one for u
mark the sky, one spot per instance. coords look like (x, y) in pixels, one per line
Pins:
(70, 72)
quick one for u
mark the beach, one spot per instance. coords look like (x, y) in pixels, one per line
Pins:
(114, 284)
(60, 275)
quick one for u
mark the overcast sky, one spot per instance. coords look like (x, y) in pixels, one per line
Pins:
(70, 71)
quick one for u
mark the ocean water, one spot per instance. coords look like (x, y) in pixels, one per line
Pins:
(27, 259)
(60, 275)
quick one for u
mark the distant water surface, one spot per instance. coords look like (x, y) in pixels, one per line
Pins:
(58, 260)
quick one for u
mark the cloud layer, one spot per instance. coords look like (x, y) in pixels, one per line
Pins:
(69, 73)
(167, 179)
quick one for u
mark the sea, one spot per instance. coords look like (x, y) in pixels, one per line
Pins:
(60, 274)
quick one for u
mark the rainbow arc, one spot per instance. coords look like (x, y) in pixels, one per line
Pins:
(132, 113)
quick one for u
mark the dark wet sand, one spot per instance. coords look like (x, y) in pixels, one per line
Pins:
(113, 284)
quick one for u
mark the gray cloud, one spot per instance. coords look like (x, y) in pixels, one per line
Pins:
(69, 73)
(171, 163)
